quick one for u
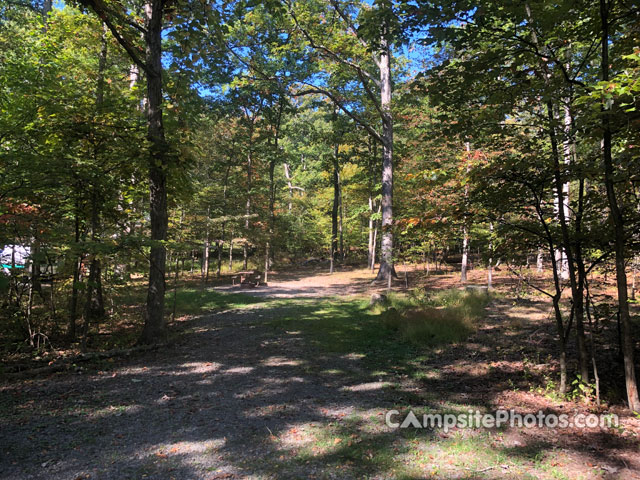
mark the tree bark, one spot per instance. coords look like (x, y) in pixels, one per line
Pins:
(370, 244)
(245, 253)
(341, 220)
(272, 214)
(46, 9)
(230, 252)
(386, 269)
(155, 324)
(334, 208)
(375, 240)
(490, 265)
(634, 274)
(287, 175)
(206, 250)
(465, 227)
(272, 186)
(373, 151)
(94, 308)
(540, 261)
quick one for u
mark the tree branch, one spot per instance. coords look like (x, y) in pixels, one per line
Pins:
(108, 15)
(334, 98)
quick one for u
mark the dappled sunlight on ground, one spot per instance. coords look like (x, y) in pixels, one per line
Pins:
(299, 389)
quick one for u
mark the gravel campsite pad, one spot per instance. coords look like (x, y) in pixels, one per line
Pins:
(253, 392)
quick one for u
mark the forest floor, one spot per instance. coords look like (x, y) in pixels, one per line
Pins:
(294, 380)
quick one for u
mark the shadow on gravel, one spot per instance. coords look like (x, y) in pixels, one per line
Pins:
(292, 390)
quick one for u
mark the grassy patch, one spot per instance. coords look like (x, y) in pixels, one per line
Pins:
(391, 339)
(446, 317)
(194, 300)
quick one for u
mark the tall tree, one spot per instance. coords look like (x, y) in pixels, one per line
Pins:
(617, 218)
(370, 34)
(126, 30)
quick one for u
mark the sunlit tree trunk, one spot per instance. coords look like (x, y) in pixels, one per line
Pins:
(490, 264)
(465, 226)
(287, 175)
(386, 248)
(576, 286)
(231, 251)
(540, 261)
(245, 253)
(370, 245)
(334, 209)
(373, 151)
(206, 249)
(375, 239)
(340, 222)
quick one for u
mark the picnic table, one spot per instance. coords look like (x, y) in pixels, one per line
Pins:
(250, 278)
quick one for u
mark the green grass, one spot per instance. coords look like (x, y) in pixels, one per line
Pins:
(446, 317)
(389, 340)
(194, 300)
(190, 298)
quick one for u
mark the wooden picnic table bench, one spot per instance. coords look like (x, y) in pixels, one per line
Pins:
(247, 278)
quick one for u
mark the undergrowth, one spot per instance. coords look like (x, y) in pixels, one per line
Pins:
(423, 318)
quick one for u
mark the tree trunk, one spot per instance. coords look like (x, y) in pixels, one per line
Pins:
(562, 211)
(375, 241)
(340, 222)
(465, 227)
(272, 187)
(287, 175)
(77, 263)
(373, 150)
(334, 208)
(46, 9)
(206, 249)
(490, 265)
(245, 256)
(94, 308)
(465, 254)
(634, 274)
(231, 252)
(245, 253)
(540, 261)
(576, 286)
(155, 324)
(35, 263)
(386, 248)
(177, 270)
(562, 335)
(272, 215)
(205, 259)
(370, 244)
(618, 224)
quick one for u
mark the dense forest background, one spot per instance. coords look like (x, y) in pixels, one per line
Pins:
(144, 141)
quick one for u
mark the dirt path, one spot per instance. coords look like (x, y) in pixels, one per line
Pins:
(239, 397)
(312, 283)
(201, 409)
